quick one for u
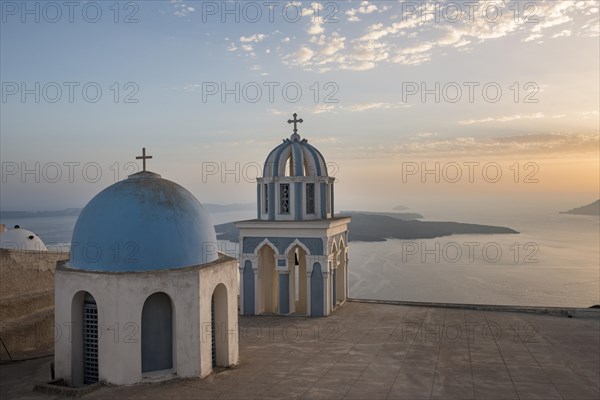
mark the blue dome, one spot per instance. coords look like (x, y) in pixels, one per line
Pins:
(305, 160)
(143, 223)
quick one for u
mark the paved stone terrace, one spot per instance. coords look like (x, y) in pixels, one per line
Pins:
(379, 351)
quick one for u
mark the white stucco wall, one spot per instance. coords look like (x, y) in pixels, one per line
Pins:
(120, 298)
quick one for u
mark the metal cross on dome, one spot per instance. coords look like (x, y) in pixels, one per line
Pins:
(143, 157)
(295, 121)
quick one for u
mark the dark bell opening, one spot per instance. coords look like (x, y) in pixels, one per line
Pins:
(30, 236)
(17, 226)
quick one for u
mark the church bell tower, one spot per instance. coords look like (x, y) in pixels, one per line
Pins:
(294, 255)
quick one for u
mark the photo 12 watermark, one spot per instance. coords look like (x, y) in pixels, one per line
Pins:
(471, 92)
(65, 171)
(248, 172)
(268, 92)
(54, 12)
(470, 172)
(69, 92)
(469, 252)
(253, 12)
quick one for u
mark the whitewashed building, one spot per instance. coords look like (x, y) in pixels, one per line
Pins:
(145, 294)
(294, 255)
(20, 239)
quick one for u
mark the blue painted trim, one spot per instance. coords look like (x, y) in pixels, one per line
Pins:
(332, 202)
(316, 291)
(258, 196)
(281, 263)
(325, 173)
(272, 201)
(249, 308)
(298, 201)
(323, 200)
(333, 292)
(266, 166)
(314, 245)
(278, 155)
(298, 166)
(284, 293)
(314, 152)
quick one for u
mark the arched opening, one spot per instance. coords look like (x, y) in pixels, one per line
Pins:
(334, 275)
(157, 333)
(84, 353)
(268, 280)
(219, 327)
(341, 275)
(248, 285)
(298, 280)
(316, 291)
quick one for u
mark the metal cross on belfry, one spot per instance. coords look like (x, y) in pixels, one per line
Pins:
(143, 157)
(295, 122)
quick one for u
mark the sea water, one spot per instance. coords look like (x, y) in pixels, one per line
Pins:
(553, 261)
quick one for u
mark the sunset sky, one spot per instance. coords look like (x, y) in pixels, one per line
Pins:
(369, 73)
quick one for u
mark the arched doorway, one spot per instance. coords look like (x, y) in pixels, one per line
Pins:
(268, 280)
(84, 354)
(334, 275)
(298, 281)
(219, 327)
(340, 283)
(248, 276)
(157, 333)
(316, 291)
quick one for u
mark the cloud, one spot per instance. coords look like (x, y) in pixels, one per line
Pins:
(468, 146)
(247, 47)
(374, 106)
(323, 108)
(316, 19)
(563, 33)
(181, 9)
(316, 29)
(333, 45)
(360, 66)
(324, 140)
(303, 55)
(255, 38)
(334, 108)
(365, 8)
(409, 39)
(507, 118)
(533, 36)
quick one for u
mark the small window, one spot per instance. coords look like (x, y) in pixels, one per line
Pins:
(266, 198)
(310, 198)
(284, 198)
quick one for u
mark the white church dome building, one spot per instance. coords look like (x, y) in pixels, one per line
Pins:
(145, 294)
(20, 239)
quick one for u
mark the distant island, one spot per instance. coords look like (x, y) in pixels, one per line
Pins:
(405, 216)
(590, 209)
(377, 227)
(68, 212)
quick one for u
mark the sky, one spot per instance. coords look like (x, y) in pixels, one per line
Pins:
(411, 103)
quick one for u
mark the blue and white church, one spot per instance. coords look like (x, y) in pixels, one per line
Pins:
(145, 294)
(294, 256)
